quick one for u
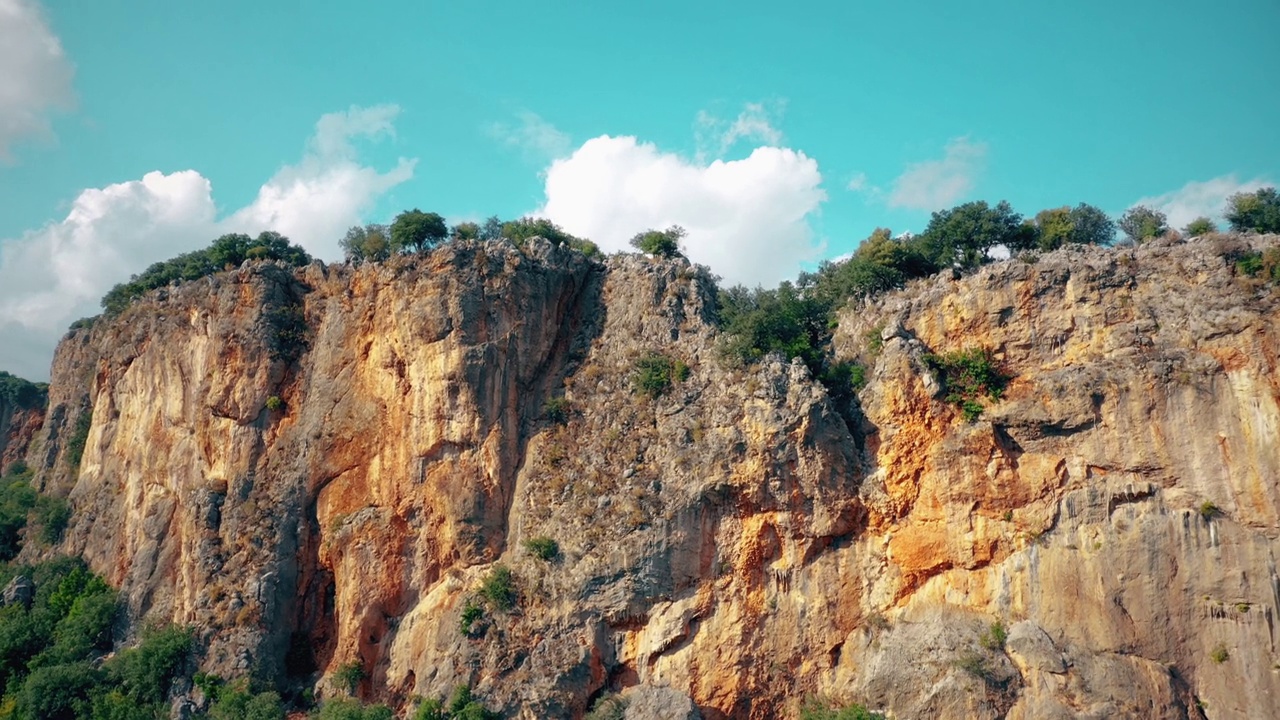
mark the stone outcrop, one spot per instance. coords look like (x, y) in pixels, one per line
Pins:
(321, 467)
(18, 425)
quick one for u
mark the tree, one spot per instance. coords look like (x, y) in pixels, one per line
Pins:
(370, 243)
(491, 229)
(880, 263)
(1258, 211)
(466, 231)
(1091, 226)
(1141, 223)
(664, 243)
(527, 228)
(1200, 226)
(414, 230)
(1081, 225)
(965, 235)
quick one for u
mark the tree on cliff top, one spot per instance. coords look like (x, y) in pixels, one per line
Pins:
(370, 243)
(965, 235)
(414, 230)
(1141, 223)
(1258, 211)
(660, 243)
(228, 251)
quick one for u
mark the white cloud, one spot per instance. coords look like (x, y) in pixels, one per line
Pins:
(755, 123)
(537, 138)
(1200, 199)
(937, 184)
(747, 219)
(53, 275)
(858, 182)
(35, 78)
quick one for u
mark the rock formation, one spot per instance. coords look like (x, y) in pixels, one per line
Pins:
(321, 467)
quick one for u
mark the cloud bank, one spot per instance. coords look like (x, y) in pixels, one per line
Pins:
(747, 219)
(53, 275)
(938, 184)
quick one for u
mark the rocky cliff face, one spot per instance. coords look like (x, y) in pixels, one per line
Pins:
(320, 468)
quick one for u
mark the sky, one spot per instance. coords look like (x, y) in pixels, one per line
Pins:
(777, 134)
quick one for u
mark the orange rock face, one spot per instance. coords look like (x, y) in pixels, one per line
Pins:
(736, 542)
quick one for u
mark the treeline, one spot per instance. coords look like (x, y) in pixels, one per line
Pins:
(15, 391)
(418, 231)
(228, 251)
(796, 319)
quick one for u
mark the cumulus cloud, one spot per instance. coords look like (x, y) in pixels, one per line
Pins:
(1200, 199)
(36, 75)
(57, 273)
(747, 219)
(535, 137)
(938, 184)
(755, 123)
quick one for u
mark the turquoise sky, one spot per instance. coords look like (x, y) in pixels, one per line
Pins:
(1042, 103)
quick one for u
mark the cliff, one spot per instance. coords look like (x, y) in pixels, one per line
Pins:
(321, 467)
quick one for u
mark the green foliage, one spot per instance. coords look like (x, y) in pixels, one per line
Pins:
(820, 709)
(556, 410)
(881, 263)
(660, 243)
(1081, 225)
(967, 376)
(237, 702)
(466, 231)
(499, 588)
(1209, 511)
(290, 334)
(79, 436)
(367, 243)
(349, 675)
(472, 612)
(462, 705)
(59, 692)
(787, 321)
(1258, 211)
(1265, 265)
(1141, 223)
(1200, 226)
(526, 228)
(965, 235)
(1219, 654)
(351, 709)
(146, 672)
(16, 392)
(607, 707)
(655, 373)
(228, 251)
(415, 231)
(274, 403)
(1250, 264)
(542, 547)
(491, 229)
(17, 498)
(51, 514)
(995, 637)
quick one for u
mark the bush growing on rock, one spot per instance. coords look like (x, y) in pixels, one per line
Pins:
(655, 373)
(542, 547)
(368, 243)
(660, 243)
(820, 709)
(1141, 223)
(17, 392)
(499, 587)
(967, 376)
(415, 231)
(1258, 211)
(1199, 226)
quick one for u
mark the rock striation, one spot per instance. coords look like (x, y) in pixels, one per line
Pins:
(322, 467)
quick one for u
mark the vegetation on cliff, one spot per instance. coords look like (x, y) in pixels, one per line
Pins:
(21, 393)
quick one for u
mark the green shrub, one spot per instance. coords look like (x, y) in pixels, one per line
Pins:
(995, 637)
(275, 404)
(79, 437)
(1250, 264)
(1219, 654)
(237, 702)
(146, 672)
(59, 692)
(349, 675)
(51, 515)
(499, 587)
(820, 709)
(472, 612)
(607, 707)
(290, 334)
(967, 376)
(1208, 510)
(556, 410)
(1199, 226)
(17, 498)
(654, 374)
(542, 547)
(415, 231)
(1141, 223)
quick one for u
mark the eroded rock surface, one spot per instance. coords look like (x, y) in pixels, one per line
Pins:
(319, 467)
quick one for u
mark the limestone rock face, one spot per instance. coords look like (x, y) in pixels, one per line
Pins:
(18, 426)
(322, 466)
